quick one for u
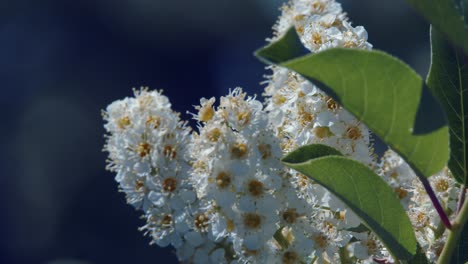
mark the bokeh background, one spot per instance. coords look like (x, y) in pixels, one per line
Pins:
(63, 61)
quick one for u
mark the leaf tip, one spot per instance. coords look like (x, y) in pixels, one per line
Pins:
(309, 152)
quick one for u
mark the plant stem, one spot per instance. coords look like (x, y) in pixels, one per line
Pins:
(454, 234)
(439, 231)
(344, 255)
(382, 261)
(440, 210)
(461, 198)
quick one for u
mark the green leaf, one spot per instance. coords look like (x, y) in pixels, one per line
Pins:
(420, 257)
(448, 81)
(460, 255)
(462, 7)
(289, 47)
(358, 229)
(447, 16)
(382, 92)
(364, 192)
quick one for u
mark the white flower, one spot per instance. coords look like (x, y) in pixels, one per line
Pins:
(239, 171)
(299, 250)
(445, 189)
(147, 146)
(165, 226)
(253, 228)
(367, 247)
(221, 195)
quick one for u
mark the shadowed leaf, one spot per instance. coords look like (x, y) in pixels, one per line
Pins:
(448, 81)
(448, 16)
(420, 257)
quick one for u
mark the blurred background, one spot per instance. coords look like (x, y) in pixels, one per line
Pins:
(61, 62)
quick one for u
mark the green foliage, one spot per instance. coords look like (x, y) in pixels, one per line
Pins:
(462, 7)
(447, 16)
(448, 81)
(367, 194)
(460, 254)
(289, 47)
(420, 257)
(381, 91)
(286, 48)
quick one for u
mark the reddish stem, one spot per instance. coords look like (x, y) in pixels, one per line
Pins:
(382, 260)
(436, 203)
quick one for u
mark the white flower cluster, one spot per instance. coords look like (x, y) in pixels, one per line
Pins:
(222, 196)
(425, 220)
(321, 24)
(147, 148)
(301, 113)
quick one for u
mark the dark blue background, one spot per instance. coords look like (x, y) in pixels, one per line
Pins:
(61, 62)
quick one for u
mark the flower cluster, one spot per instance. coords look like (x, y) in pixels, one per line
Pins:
(221, 195)
(425, 220)
(302, 113)
(147, 148)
